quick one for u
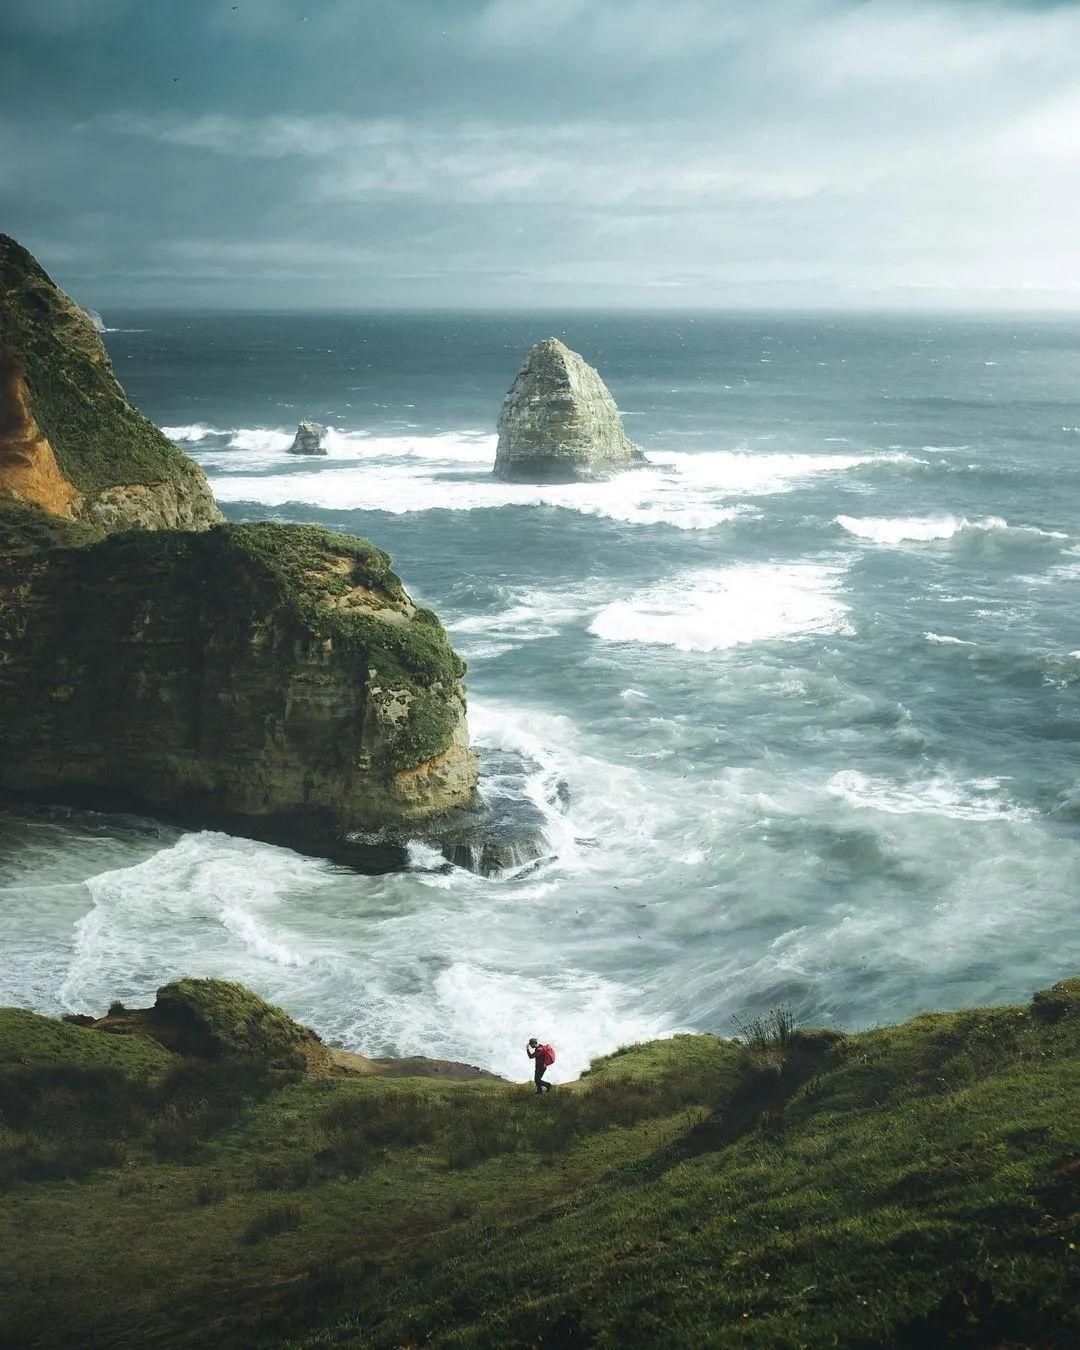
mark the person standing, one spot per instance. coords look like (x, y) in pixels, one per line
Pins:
(543, 1056)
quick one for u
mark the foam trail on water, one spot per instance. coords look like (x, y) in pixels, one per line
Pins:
(448, 471)
(923, 530)
(977, 799)
(945, 640)
(193, 433)
(217, 891)
(714, 609)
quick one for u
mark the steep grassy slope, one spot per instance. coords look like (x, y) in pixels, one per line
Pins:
(914, 1186)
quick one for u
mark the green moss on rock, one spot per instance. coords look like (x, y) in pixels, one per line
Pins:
(26, 531)
(99, 439)
(274, 672)
(1060, 1000)
(220, 1019)
(30, 1040)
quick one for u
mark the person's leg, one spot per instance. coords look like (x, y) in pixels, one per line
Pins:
(538, 1076)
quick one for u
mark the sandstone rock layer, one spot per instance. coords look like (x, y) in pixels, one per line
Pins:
(70, 442)
(559, 423)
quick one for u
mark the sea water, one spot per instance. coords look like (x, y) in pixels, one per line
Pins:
(801, 700)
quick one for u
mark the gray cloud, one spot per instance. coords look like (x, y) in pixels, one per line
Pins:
(803, 152)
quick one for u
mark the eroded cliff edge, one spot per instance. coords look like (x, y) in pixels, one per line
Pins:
(276, 680)
(70, 442)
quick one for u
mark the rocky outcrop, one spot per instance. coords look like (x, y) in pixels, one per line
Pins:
(309, 439)
(559, 423)
(273, 680)
(70, 442)
(218, 1019)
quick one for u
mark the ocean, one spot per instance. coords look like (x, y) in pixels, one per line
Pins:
(800, 701)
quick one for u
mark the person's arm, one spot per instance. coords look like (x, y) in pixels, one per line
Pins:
(530, 1052)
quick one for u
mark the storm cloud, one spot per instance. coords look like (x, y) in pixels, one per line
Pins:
(515, 153)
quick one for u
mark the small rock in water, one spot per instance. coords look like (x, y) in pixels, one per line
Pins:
(309, 439)
(502, 830)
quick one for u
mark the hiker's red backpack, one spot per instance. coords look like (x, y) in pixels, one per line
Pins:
(546, 1055)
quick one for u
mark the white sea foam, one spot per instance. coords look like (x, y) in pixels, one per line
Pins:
(218, 890)
(260, 438)
(532, 614)
(926, 529)
(944, 640)
(975, 799)
(402, 474)
(191, 434)
(714, 609)
(592, 1016)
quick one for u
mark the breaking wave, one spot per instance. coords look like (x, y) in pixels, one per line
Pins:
(714, 609)
(401, 474)
(927, 529)
(976, 799)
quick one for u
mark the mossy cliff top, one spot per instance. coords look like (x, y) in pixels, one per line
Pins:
(271, 679)
(339, 587)
(911, 1186)
(55, 373)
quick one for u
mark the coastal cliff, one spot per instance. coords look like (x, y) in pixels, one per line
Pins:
(70, 442)
(275, 680)
(559, 422)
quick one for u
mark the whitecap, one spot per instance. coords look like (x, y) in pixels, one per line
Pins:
(260, 438)
(927, 529)
(976, 799)
(713, 609)
(192, 434)
(944, 640)
(401, 475)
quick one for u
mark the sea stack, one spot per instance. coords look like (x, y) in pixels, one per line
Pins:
(559, 423)
(309, 439)
(70, 442)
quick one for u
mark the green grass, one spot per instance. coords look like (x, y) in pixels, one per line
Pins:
(25, 532)
(911, 1186)
(28, 1039)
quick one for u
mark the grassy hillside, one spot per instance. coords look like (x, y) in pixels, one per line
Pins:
(914, 1186)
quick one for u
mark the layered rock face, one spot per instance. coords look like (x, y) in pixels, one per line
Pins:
(309, 439)
(70, 442)
(275, 680)
(559, 423)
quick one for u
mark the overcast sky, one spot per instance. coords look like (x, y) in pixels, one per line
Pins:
(515, 153)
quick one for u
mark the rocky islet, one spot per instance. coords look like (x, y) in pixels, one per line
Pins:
(310, 438)
(559, 422)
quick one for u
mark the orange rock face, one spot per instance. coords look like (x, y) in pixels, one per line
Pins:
(28, 468)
